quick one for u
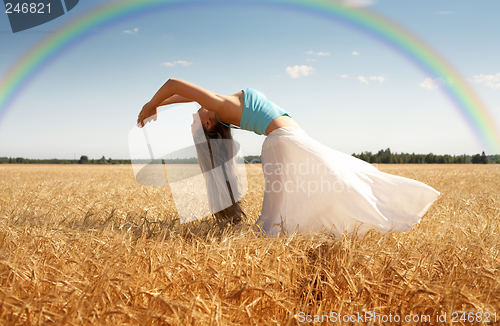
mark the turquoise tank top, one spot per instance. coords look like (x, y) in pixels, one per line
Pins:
(258, 112)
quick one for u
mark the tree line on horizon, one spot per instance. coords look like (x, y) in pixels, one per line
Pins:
(382, 157)
(387, 157)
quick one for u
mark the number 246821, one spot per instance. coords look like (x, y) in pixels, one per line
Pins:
(32, 8)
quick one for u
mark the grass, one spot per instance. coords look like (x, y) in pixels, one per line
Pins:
(83, 245)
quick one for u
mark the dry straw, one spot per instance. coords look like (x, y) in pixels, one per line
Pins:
(84, 245)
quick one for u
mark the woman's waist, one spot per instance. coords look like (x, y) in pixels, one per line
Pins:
(283, 121)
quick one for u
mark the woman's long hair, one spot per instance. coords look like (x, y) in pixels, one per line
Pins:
(220, 150)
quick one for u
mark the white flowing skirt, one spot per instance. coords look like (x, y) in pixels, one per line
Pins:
(311, 187)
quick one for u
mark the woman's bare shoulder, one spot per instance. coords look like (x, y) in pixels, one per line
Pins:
(235, 99)
(232, 107)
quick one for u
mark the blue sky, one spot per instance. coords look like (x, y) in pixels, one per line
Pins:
(345, 88)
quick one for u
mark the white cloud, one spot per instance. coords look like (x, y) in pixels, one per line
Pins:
(492, 81)
(380, 79)
(363, 79)
(299, 71)
(313, 60)
(344, 76)
(175, 63)
(134, 31)
(355, 53)
(430, 83)
(357, 3)
(320, 53)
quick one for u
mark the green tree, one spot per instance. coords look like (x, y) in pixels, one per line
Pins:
(476, 159)
(484, 159)
(84, 159)
(384, 156)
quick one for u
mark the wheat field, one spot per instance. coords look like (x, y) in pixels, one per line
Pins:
(87, 245)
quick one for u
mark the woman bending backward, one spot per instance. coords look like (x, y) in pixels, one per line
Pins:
(308, 186)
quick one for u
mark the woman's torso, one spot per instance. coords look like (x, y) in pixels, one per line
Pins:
(234, 110)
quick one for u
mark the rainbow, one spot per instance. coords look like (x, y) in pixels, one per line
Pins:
(432, 64)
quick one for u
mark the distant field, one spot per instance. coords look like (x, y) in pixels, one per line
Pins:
(86, 244)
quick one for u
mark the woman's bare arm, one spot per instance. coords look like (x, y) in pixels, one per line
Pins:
(175, 99)
(186, 90)
(173, 86)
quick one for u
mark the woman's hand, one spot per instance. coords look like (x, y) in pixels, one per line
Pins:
(149, 112)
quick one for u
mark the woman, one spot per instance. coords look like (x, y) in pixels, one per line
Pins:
(308, 186)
